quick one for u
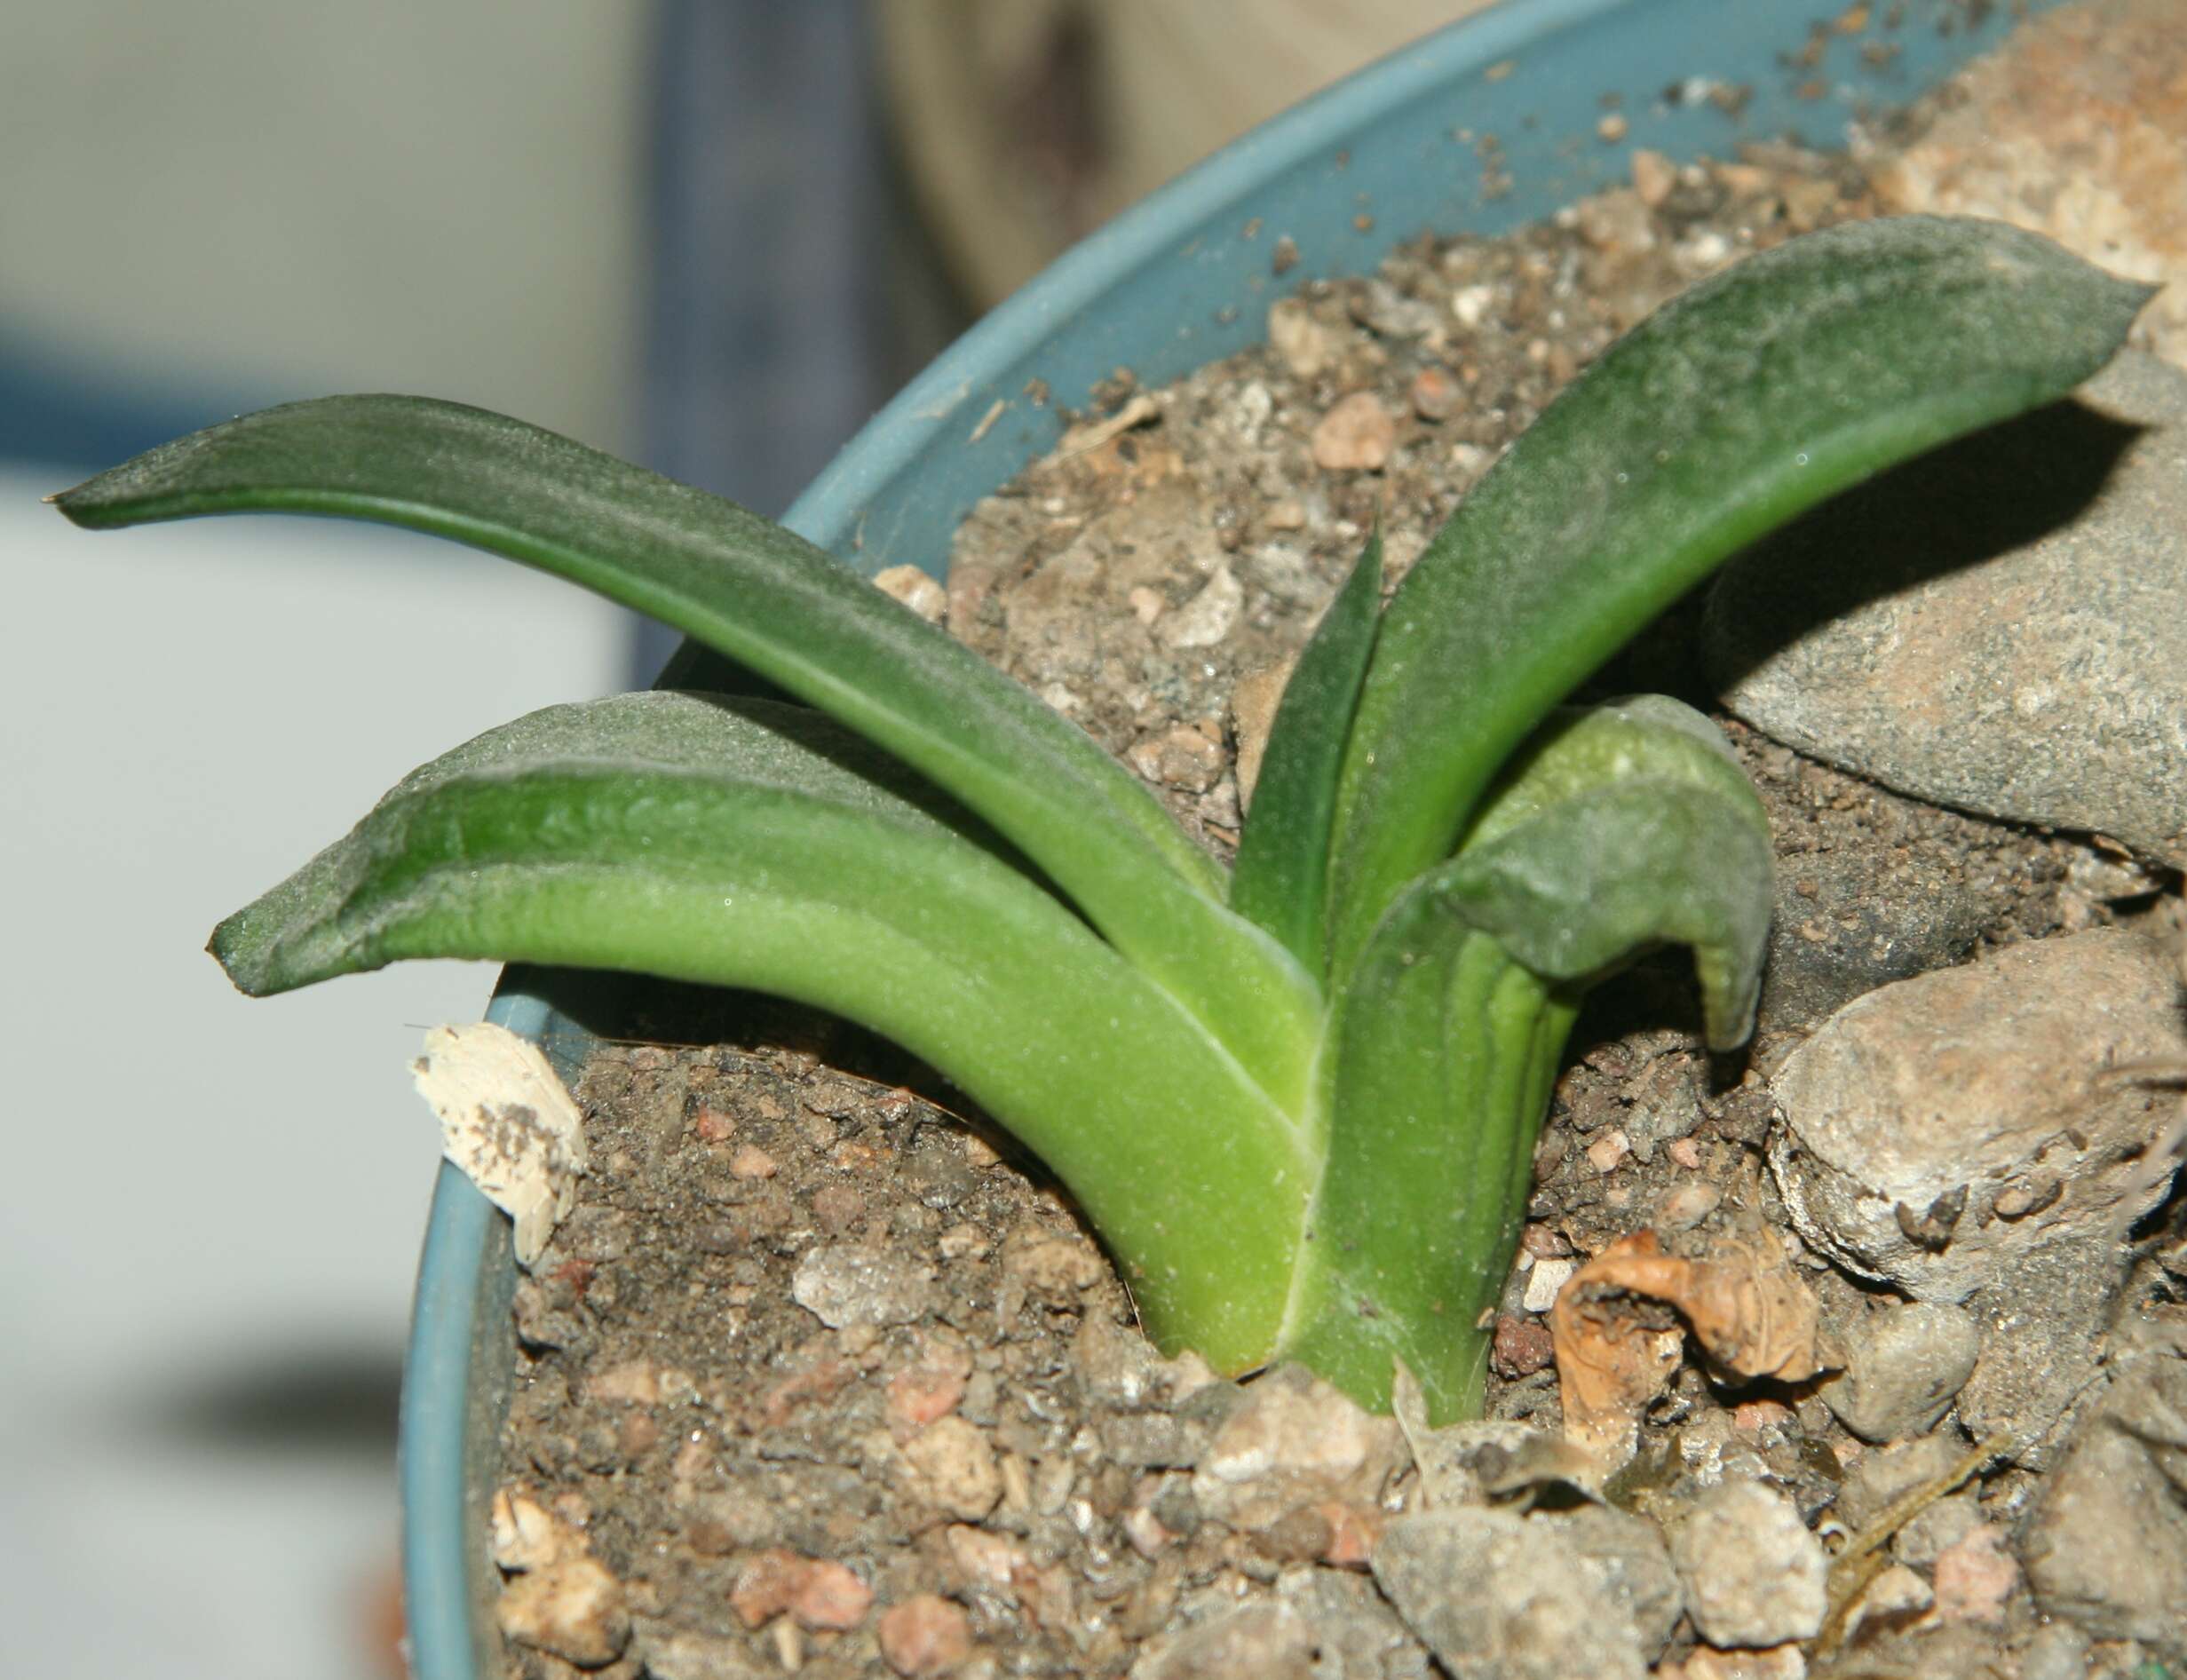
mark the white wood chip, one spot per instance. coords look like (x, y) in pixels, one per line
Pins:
(507, 1122)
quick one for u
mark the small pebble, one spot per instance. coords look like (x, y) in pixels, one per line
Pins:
(1936, 1527)
(1208, 617)
(1543, 1281)
(526, 1535)
(1522, 1346)
(1388, 312)
(634, 1381)
(842, 1284)
(1498, 1597)
(952, 1468)
(1654, 178)
(921, 1393)
(1903, 1367)
(1880, 1478)
(1896, 1593)
(818, 1593)
(1304, 345)
(1057, 1268)
(914, 588)
(1975, 1577)
(1779, 1662)
(1179, 757)
(924, 1636)
(1687, 1205)
(572, 1608)
(1294, 1440)
(1753, 1573)
(1434, 394)
(1636, 1565)
(1259, 1641)
(992, 1559)
(751, 1161)
(1355, 436)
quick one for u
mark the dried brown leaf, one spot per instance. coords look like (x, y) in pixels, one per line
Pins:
(1617, 1346)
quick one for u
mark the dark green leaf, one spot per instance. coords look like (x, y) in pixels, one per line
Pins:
(771, 601)
(1620, 828)
(1747, 399)
(1280, 880)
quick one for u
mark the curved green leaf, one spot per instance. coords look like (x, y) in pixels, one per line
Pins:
(731, 843)
(1619, 828)
(1744, 401)
(1280, 879)
(774, 602)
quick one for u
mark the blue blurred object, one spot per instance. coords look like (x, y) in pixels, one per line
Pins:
(52, 416)
(767, 328)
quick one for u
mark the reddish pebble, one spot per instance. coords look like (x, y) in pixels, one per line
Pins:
(1522, 1346)
(763, 1591)
(1434, 394)
(1751, 1417)
(1685, 1152)
(1975, 1576)
(714, 1127)
(817, 1593)
(751, 1161)
(923, 1394)
(924, 1636)
(1353, 1534)
(829, 1597)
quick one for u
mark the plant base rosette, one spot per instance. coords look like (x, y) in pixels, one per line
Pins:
(1296, 1098)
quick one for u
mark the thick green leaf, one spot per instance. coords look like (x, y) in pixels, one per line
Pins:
(1280, 880)
(1444, 1052)
(1619, 829)
(1750, 398)
(736, 843)
(769, 599)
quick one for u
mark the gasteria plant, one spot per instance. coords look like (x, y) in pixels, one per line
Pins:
(1298, 1097)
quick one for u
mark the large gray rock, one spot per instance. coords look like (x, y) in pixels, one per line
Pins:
(1754, 1575)
(1940, 1129)
(1497, 1596)
(1259, 1641)
(2001, 625)
(2107, 1545)
(1635, 1565)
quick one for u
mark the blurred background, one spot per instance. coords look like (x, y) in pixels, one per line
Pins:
(710, 235)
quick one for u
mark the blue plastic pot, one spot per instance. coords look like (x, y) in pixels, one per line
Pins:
(1480, 127)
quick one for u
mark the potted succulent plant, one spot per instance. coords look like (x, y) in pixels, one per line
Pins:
(1278, 1091)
